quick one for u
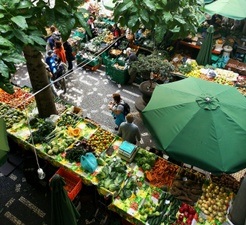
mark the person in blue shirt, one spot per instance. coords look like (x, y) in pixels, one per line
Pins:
(51, 61)
(117, 108)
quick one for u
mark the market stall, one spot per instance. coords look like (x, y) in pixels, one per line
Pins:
(146, 189)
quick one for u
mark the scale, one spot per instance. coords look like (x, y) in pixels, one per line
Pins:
(127, 151)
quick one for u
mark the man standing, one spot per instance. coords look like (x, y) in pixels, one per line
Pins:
(129, 131)
(131, 57)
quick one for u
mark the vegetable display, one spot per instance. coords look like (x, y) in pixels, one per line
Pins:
(162, 173)
(166, 210)
(44, 128)
(69, 120)
(74, 153)
(187, 186)
(11, 116)
(112, 175)
(19, 99)
(145, 159)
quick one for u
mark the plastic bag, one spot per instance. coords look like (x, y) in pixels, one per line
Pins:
(88, 162)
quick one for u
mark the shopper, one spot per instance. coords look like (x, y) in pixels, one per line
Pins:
(93, 29)
(69, 55)
(60, 51)
(117, 108)
(61, 71)
(51, 61)
(54, 36)
(129, 131)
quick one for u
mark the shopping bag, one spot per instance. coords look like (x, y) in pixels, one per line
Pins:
(88, 162)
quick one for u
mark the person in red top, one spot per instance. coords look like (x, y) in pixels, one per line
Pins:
(60, 52)
(116, 31)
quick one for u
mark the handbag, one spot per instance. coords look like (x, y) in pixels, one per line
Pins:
(88, 162)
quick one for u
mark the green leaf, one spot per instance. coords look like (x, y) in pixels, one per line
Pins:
(176, 29)
(14, 58)
(65, 25)
(144, 15)
(20, 35)
(62, 11)
(123, 7)
(82, 21)
(133, 20)
(5, 42)
(180, 20)
(24, 4)
(4, 71)
(6, 85)
(37, 39)
(1, 15)
(50, 16)
(20, 21)
(150, 4)
(5, 28)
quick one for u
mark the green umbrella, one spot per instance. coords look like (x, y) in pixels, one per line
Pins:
(63, 211)
(200, 123)
(234, 9)
(4, 147)
(205, 53)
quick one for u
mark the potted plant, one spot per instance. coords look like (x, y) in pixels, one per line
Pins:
(152, 69)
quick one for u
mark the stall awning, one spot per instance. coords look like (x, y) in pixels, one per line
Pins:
(234, 9)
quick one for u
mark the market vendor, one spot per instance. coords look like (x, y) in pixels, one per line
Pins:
(131, 57)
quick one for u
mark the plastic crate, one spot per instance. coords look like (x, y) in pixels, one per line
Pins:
(73, 182)
(119, 76)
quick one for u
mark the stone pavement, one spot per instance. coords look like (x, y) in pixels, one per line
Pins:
(91, 91)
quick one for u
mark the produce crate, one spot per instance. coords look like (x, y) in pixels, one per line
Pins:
(119, 76)
(232, 65)
(73, 182)
(108, 61)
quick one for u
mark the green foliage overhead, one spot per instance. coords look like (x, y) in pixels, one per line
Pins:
(23, 22)
(180, 17)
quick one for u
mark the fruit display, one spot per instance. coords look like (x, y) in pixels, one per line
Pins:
(191, 69)
(214, 202)
(13, 118)
(162, 173)
(242, 90)
(112, 175)
(227, 75)
(226, 180)
(145, 159)
(100, 140)
(186, 214)
(19, 99)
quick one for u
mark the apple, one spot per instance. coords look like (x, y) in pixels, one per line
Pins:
(186, 214)
(188, 221)
(181, 217)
